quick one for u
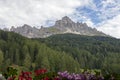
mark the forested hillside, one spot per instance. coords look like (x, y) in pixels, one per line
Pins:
(28, 54)
(93, 52)
(60, 52)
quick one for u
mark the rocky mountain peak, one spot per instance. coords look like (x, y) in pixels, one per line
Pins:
(65, 25)
(12, 28)
(66, 19)
(5, 29)
(26, 26)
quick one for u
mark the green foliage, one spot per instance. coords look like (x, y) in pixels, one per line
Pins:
(27, 62)
(93, 52)
(30, 54)
(11, 72)
(50, 75)
(1, 57)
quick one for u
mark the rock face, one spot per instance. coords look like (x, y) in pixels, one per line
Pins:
(26, 31)
(65, 25)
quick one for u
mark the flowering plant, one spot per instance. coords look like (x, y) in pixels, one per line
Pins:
(84, 76)
(25, 76)
(43, 74)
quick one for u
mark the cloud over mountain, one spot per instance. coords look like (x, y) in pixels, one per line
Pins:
(34, 12)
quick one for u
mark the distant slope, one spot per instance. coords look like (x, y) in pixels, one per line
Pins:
(90, 51)
(73, 40)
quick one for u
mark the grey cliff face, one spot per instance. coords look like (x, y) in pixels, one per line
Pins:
(65, 25)
(26, 31)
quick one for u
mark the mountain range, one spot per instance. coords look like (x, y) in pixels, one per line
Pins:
(65, 25)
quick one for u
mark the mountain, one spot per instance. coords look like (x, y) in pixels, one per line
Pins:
(65, 25)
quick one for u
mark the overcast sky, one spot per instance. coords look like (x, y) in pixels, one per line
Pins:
(101, 14)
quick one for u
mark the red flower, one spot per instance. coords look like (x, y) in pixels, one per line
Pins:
(46, 78)
(25, 76)
(11, 78)
(56, 78)
(40, 71)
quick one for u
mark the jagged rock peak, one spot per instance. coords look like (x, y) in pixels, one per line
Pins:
(41, 27)
(12, 28)
(66, 19)
(26, 26)
(63, 22)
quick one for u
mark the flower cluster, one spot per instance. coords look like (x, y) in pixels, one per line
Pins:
(42, 74)
(11, 78)
(40, 71)
(85, 76)
(25, 76)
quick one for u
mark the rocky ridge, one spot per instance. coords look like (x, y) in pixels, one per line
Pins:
(65, 25)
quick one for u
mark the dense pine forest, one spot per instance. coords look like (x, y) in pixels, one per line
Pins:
(60, 52)
(91, 52)
(30, 54)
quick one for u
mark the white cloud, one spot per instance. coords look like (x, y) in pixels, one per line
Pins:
(78, 16)
(110, 17)
(111, 27)
(109, 9)
(108, 13)
(90, 23)
(34, 12)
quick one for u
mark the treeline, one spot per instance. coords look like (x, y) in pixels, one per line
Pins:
(28, 54)
(91, 52)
